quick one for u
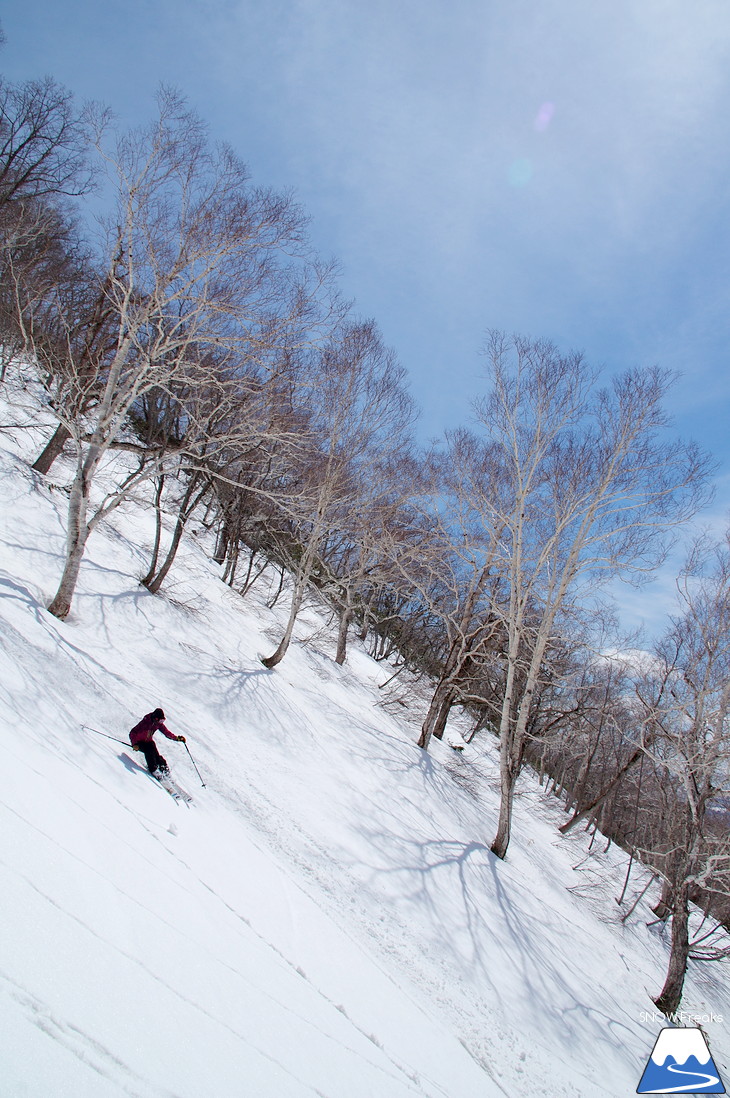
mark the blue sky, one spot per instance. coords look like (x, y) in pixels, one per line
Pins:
(553, 167)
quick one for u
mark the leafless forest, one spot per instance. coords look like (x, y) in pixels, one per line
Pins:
(171, 314)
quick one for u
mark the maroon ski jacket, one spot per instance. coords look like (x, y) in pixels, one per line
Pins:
(145, 730)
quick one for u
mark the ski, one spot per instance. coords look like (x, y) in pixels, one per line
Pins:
(176, 791)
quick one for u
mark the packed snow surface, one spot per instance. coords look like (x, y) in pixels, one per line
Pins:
(326, 918)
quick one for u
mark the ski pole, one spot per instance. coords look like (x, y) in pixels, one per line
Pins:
(192, 760)
(106, 735)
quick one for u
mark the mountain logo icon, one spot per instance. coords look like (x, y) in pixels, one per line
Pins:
(681, 1063)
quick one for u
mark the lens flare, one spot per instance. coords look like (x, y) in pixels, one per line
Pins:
(544, 117)
(520, 172)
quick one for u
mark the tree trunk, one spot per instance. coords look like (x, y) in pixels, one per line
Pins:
(222, 542)
(579, 787)
(232, 553)
(153, 582)
(51, 450)
(440, 723)
(345, 619)
(663, 907)
(61, 603)
(76, 538)
(507, 781)
(303, 575)
(296, 605)
(273, 601)
(461, 650)
(250, 576)
(510, 753)
(443, 695)
(578, 816)
(671, 994)
(438, 714)
(158, 531)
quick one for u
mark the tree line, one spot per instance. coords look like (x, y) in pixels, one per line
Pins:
(192, 347)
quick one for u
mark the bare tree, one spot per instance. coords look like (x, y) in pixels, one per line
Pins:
(224, 431)
(453, 567)
(608, 749)
(190, 264)
(361, 556)
(685, 698)
(591, 487)
(45, 158)
(361, 414)
(44, 268)
(44, 142)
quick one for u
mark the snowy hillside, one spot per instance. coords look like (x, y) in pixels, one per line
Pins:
(326, 919)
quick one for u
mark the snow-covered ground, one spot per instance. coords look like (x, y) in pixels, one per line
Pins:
(327, 918)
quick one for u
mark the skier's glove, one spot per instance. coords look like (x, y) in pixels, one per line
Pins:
(136, 747)
(181, 739)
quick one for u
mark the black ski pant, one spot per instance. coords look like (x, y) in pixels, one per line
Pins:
(153, 757)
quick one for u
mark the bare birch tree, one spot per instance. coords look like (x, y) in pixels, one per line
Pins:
(685, 698)
(190, 262)
(361, 414)
(453, 565)
(592, 487)
(361, 558)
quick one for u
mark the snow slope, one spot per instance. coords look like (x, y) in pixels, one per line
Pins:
(327, 918)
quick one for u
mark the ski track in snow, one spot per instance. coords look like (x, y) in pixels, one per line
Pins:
(70, 1035)
(53, 1027)
(81, 1045)
(100, 822)
(327, 919)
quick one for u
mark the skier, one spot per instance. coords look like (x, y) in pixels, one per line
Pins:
(141, 738)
